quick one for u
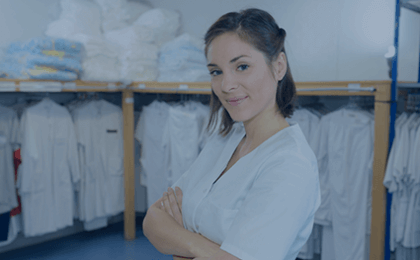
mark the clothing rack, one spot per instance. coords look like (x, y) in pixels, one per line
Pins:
(413, 5)
(380, 90)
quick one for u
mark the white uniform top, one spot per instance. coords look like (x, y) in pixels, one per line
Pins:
(263, 207)
(350, 160)
(8, 132)
(99, 130)
(49, 168)
(181, 136)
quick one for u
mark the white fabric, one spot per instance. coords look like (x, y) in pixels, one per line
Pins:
(99, 130)
(134, 10)
(165, 24)
(96, 45)
(130, 37)
(9, 127)
(149, 133)
(190, 75)
(203, 115)
(101, 58)
(182, 60)
(49, 168)
(402, 179)
(309, 123)
(139, 71)
(350, 152)
(95, 224)
(323, 216)
(101, 68)
(140, 193)
(269, 211)
(137, 55)
(114, 14)
(181, 137)
(77, 16)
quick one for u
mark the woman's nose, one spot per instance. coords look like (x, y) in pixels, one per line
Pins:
(229, 83)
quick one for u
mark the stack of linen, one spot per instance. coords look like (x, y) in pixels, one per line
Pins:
(139, 43)
(43, 58)
(118, 14)
(183, 60)
(81, 21)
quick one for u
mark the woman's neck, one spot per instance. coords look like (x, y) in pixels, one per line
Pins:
(260, 129)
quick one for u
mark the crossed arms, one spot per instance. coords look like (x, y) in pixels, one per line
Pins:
(164, 228)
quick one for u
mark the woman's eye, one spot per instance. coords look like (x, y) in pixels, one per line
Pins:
(215, 72)
(243, 67)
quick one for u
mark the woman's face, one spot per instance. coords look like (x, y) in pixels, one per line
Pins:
(241, 78)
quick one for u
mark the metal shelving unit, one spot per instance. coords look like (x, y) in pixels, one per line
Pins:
(415, 7)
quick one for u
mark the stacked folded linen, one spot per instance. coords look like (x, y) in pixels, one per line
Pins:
(137, 53)
(77, 16)
(43, 58)
(139, 43)
(165, 24)
(118, 14)
(183, 60)
(101, 59)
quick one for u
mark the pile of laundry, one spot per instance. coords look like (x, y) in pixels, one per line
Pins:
(122, 38)
(43, 58)
(183, 60)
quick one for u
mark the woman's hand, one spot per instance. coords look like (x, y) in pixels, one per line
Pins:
(173, 204)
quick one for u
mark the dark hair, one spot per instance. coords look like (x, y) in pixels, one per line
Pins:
(259, 29)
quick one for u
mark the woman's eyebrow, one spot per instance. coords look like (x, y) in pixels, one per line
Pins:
(232, 61)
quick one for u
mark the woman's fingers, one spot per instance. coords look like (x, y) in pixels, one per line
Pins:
(167, 204)
(174, 205)
(178, 193)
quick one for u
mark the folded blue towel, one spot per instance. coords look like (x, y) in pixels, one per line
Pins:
(48, 46)
(31, 60)
(19, 71)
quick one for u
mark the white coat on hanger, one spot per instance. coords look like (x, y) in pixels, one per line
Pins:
(49, 168)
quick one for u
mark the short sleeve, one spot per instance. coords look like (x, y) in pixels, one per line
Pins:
(276, 217)
(140, 128)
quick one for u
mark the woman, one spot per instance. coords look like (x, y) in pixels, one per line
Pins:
(253, 191)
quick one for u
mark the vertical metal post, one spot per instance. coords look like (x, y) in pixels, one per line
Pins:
(393, 114)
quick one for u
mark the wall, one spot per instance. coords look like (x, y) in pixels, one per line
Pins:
(327, 40)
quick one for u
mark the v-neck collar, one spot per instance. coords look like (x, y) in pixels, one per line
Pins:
(237, 141)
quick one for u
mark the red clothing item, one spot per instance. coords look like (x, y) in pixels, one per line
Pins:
(17, 161)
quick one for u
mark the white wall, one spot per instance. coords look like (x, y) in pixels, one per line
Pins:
(327, 40)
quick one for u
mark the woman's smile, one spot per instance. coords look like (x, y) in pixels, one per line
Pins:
(236, 101)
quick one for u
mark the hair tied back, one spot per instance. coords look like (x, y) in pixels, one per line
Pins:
(282, 33)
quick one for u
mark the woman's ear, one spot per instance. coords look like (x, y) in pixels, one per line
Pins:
(280, 66)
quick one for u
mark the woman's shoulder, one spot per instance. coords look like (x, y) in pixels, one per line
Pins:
(289, 149)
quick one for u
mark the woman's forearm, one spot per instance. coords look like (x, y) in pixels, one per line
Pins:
(170, 238)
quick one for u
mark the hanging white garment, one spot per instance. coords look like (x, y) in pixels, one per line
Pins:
(99, 129)
(309, 124)
(49, 168)
(350, 152)
(9, 126)
(140, 193)
(149, 133)
(202, 113)
(323, 216)
(181, 136)
(390, 181)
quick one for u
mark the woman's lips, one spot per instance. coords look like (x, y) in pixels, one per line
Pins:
(236, 101)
